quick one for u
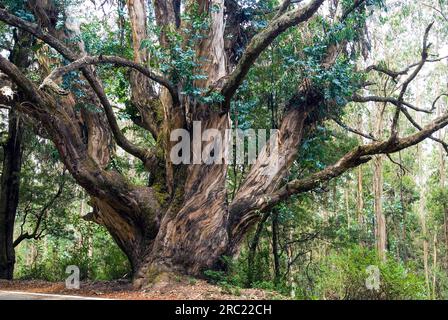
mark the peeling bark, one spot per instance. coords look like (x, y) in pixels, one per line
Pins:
(143, 93)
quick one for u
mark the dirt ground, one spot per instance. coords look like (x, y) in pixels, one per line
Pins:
(122, 289)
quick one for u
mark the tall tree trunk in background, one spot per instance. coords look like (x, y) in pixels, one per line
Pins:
(421, 181)
(290, 254)
(441, 155)
(359, 189)
(9, 198)
(253, 249)
(434, 267)
(334, 194)
(380, 226)
(442, 174)
(275, 247)
(347, 204)
(12, 162)
(359, 196)
(422, 215)
(404, 251)
(425, 240)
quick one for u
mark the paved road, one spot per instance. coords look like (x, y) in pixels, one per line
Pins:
(16, 295)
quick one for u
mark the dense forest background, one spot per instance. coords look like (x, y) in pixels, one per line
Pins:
(391, 212)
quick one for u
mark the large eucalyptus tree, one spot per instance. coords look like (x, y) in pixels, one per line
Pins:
(183, 221)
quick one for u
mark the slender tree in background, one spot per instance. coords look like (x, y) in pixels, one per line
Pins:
(380, 219)
(422, 216)
(359, 180)
(442, 173)
(275, 253)
(12, 162)
(182, 222)
(12, 150)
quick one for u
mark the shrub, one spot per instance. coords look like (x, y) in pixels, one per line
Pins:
(343, 275)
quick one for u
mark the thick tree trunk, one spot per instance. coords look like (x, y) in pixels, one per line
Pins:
(199, 227)
(380, 226)
(9, 198)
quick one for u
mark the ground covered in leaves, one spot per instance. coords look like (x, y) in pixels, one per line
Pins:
(122, 289)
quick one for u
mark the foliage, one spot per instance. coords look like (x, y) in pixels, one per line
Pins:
(343, 276)
(89, 247)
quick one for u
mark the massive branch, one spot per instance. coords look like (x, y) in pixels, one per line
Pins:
(94, 82)
(260, 193)
(124, 208)
(354, 158)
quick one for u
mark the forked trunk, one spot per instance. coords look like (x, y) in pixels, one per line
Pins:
(193, 233)
(199, 226)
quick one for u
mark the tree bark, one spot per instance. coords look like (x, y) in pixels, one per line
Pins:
(9, 198)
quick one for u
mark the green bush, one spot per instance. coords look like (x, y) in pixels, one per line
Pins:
(98, 259)
(343, 275)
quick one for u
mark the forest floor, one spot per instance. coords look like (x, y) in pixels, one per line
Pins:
(122, 289)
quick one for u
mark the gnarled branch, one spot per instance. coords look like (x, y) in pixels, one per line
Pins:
(96, 85)
(354, 158)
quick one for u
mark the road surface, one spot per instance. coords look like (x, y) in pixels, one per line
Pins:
(16, 295)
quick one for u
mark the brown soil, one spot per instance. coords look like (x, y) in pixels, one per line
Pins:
(122, 289)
